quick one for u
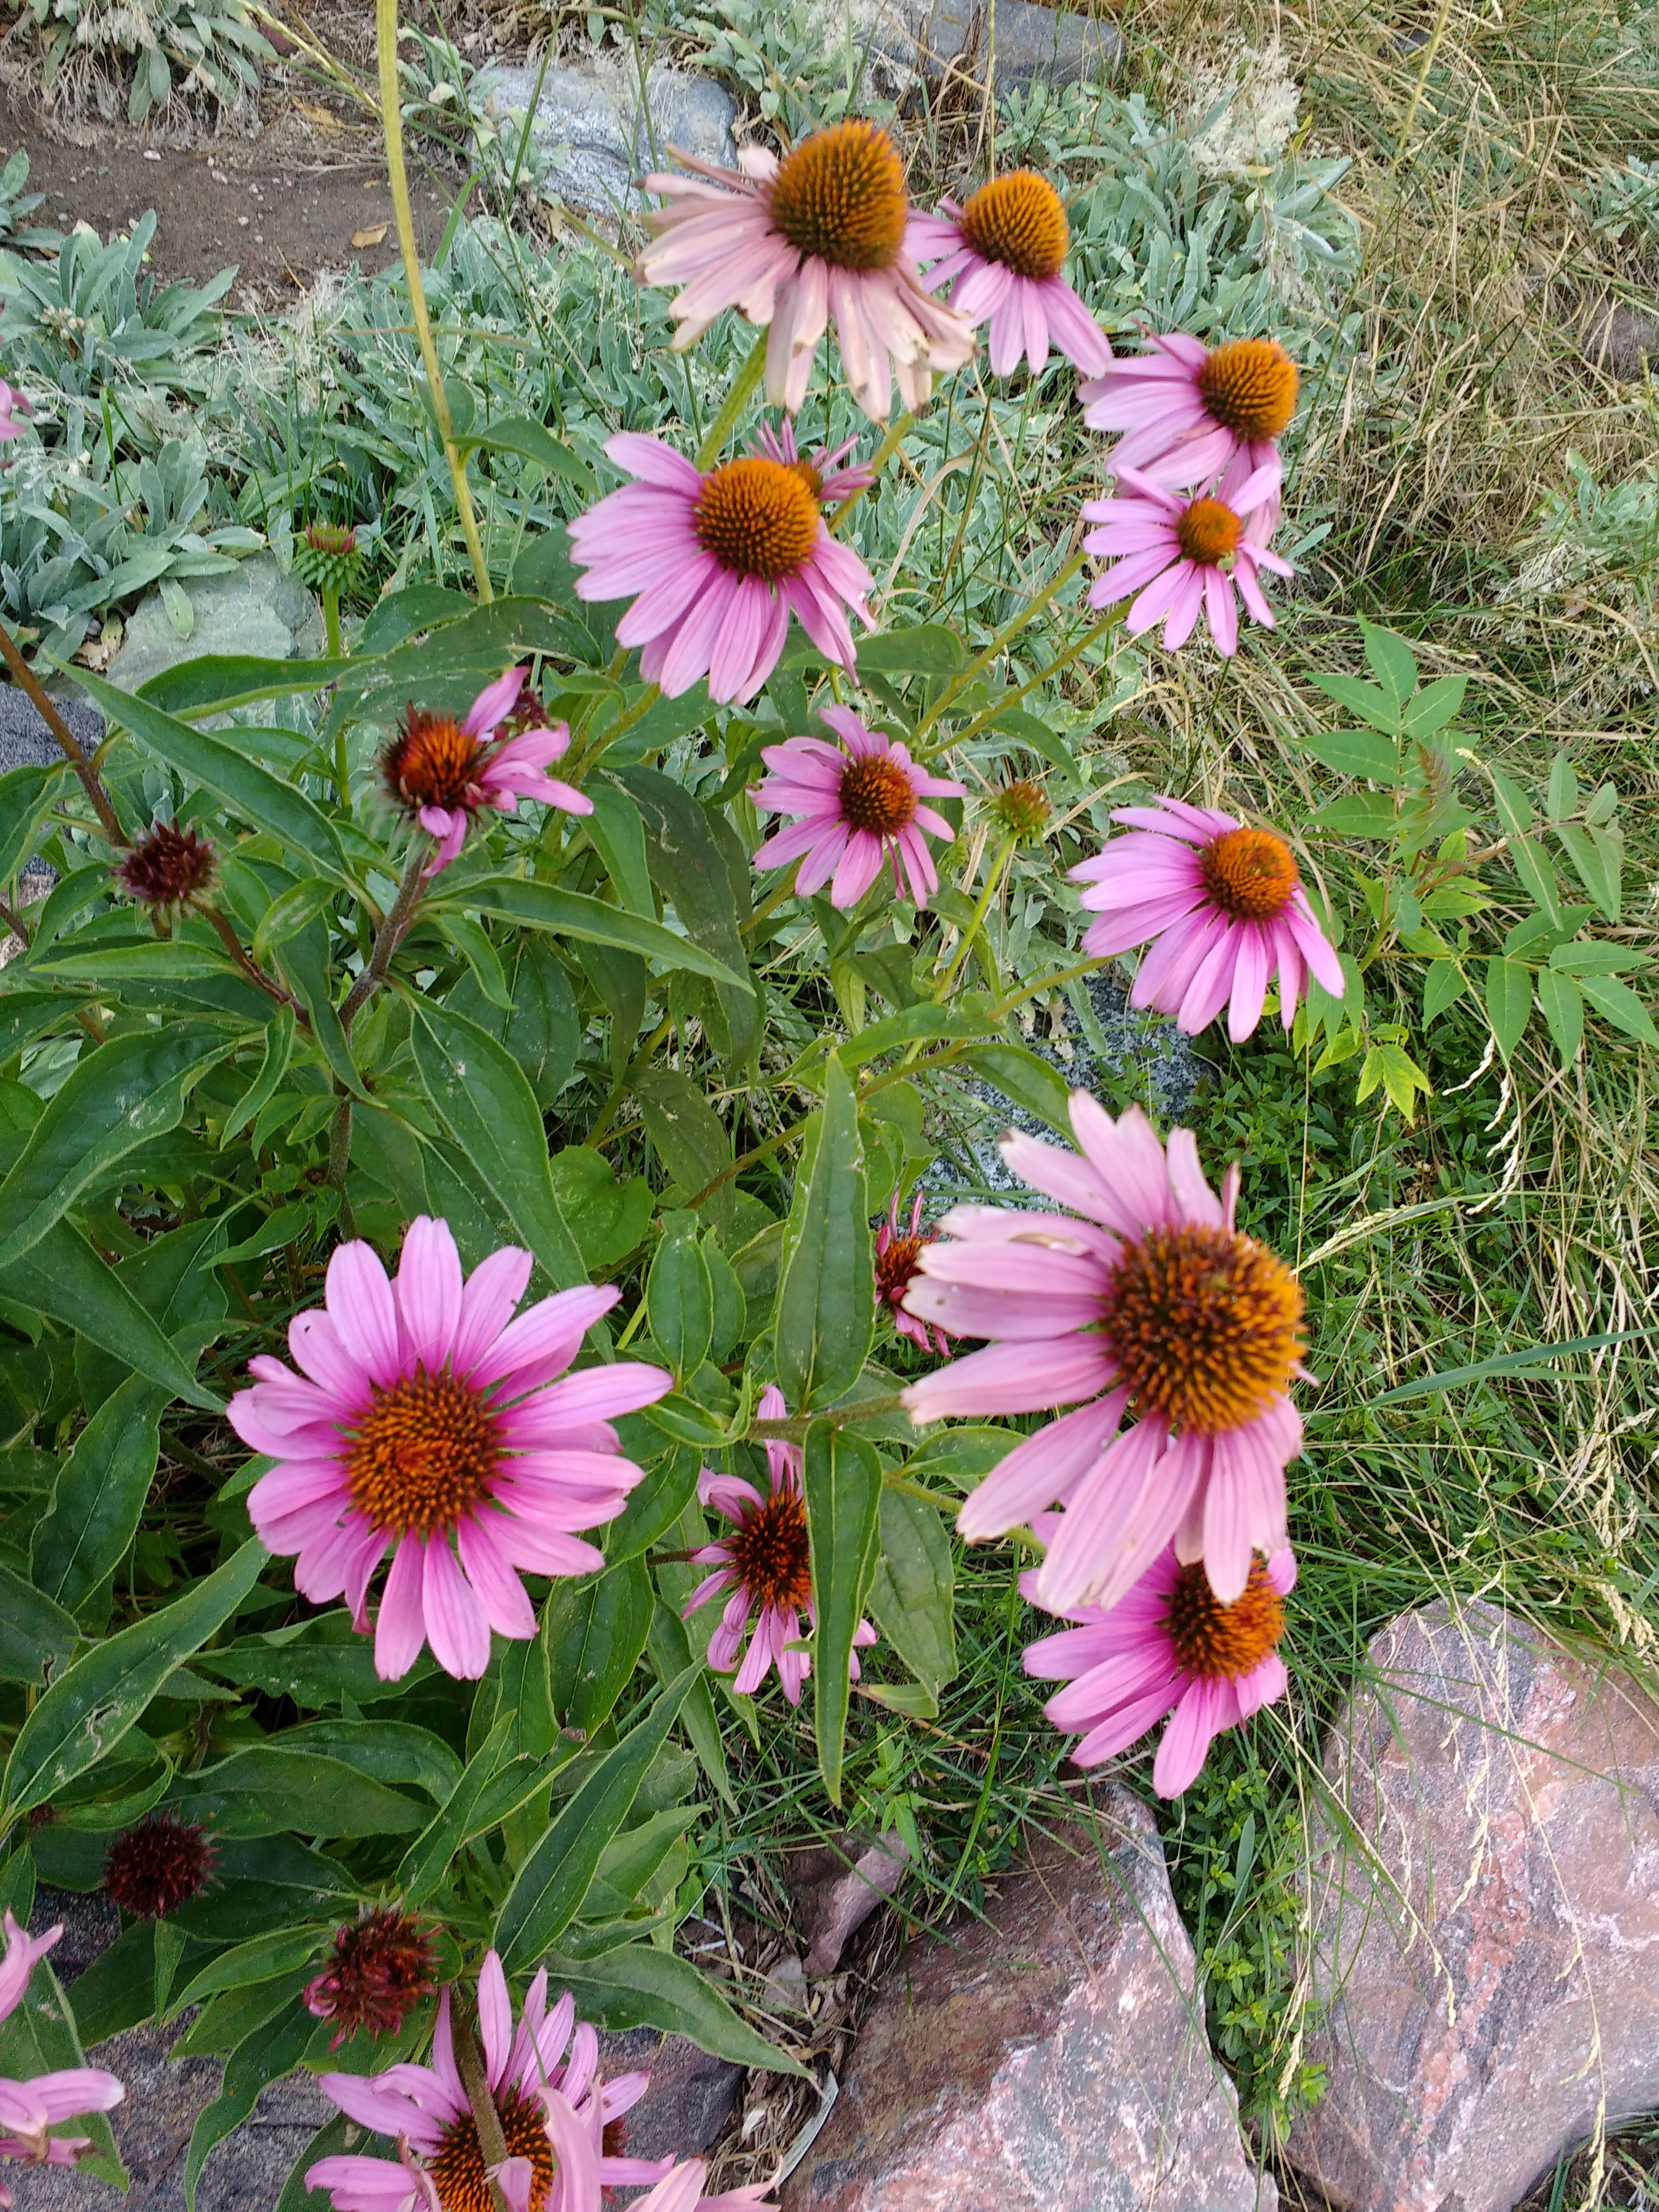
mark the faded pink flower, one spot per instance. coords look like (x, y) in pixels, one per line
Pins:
(1143, 1294)
(1005, 251)
(1187, 412)
(1225, 906)
(1168, 1645)
(1183, 556)
(821, 471)
(796, 243)
(719, 561)
(13, 403)
(856, 804)
(898, 1260)
(425, 1413)
(442, 771)
(767, 1564)
(552, 2106)
(30, 2109)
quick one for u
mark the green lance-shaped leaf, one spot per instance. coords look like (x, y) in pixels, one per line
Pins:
(636, 1985)
(843, 1482)
(573, 914)
(35, 1632)
(1598, 856)
(689, 1136)
(484, 1097)
(273, 1066)
(595, 1631)
(1028, 1081)
(98, 1496)
(554, 1880)
(1509, 1002)
(207, 760)
(264, 1788)
(670, 1650)
(63, 1276)
(90, 1708)
(1562, 1003)
(913, 1588)
(117, 1098)
(687, 851)
(28, 796)
(533, 441)
(826, 1301)
(680, 1298)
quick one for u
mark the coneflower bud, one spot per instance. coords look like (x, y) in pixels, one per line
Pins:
(326, 555)
(380, 1965)
(1022, 807)
(169, 867)
(151, 1869)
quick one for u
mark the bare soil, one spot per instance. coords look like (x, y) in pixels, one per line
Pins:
(306, 191)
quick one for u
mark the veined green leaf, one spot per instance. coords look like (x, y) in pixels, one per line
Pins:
(1509, 1002)
(1562, 1003)
(843, 1482)
(679, 1300)
(35, 1632)
(826, 1301)
(63, 1276)
(98, 1496)
(534, 441)
(594, 1632)
(573, 914)
(637, 1985)
(1617, 1003)
(912, 1590)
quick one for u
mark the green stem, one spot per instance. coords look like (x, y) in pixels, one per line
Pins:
(389, 934)
(602, 744)
(878, 461)
(331, 624)
(1043, 983)
(792, 1429)
(769, 905)
(993, 882)
(743, 386)
(391, 123)
(486, 2120)
(1032, 684)
(958, 685)
(342, 771)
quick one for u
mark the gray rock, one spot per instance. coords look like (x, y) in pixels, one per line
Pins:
(1485, 1919)
(1621, 340)
(596, 139)
(252, 608)
(691, 2095)
(949, 42)
(25, 740)
(165, 2097)
(835, 1887)
(89, 1921)
(1143, 1057)
(1048, 2058)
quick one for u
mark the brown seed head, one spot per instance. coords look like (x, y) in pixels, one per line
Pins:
(1208, 531)
(1205, 1325)
(757, 517)
(151, 1869)
(841, 196)
(770, 1553)
(1250, 387)
(1018, 220)
(1221, 1642)
(432, 762)
(877, 795)
(424, 1453)
(379, 1966)
(458, 2170)
(169, 867)
(1249, 873)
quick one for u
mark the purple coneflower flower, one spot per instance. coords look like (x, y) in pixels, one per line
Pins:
(898, 1262)
(425, 1413)
(1186, 412)
(1182, 556)
(442, 771)
(856, 804)
(1224, 906)
(29, 2109)
(1005, 250)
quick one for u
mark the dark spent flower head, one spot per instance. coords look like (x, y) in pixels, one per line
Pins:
(380, 1966)
(169, 867)
(151, 1869)
(1023, 809)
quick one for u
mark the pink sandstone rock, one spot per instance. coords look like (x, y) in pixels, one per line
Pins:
(1051, 2059)
(835, 1887)
(1496, 1986)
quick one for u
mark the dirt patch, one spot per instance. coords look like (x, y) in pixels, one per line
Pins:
(277, 206)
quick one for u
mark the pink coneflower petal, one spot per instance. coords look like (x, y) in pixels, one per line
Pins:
(1178, 555)
(858, 804)
(795, 243)
(1220, 940)
(455, 1430)
(1153, 1300)
(1171, 1646)
(1186, 410)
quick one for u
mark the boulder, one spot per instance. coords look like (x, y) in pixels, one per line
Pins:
(1486, 1947)
(1050, 2057)
(948, 42)
(835, 1887)
(689, 2098)
(595, 138)
(1619, 340)
(252, 608)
